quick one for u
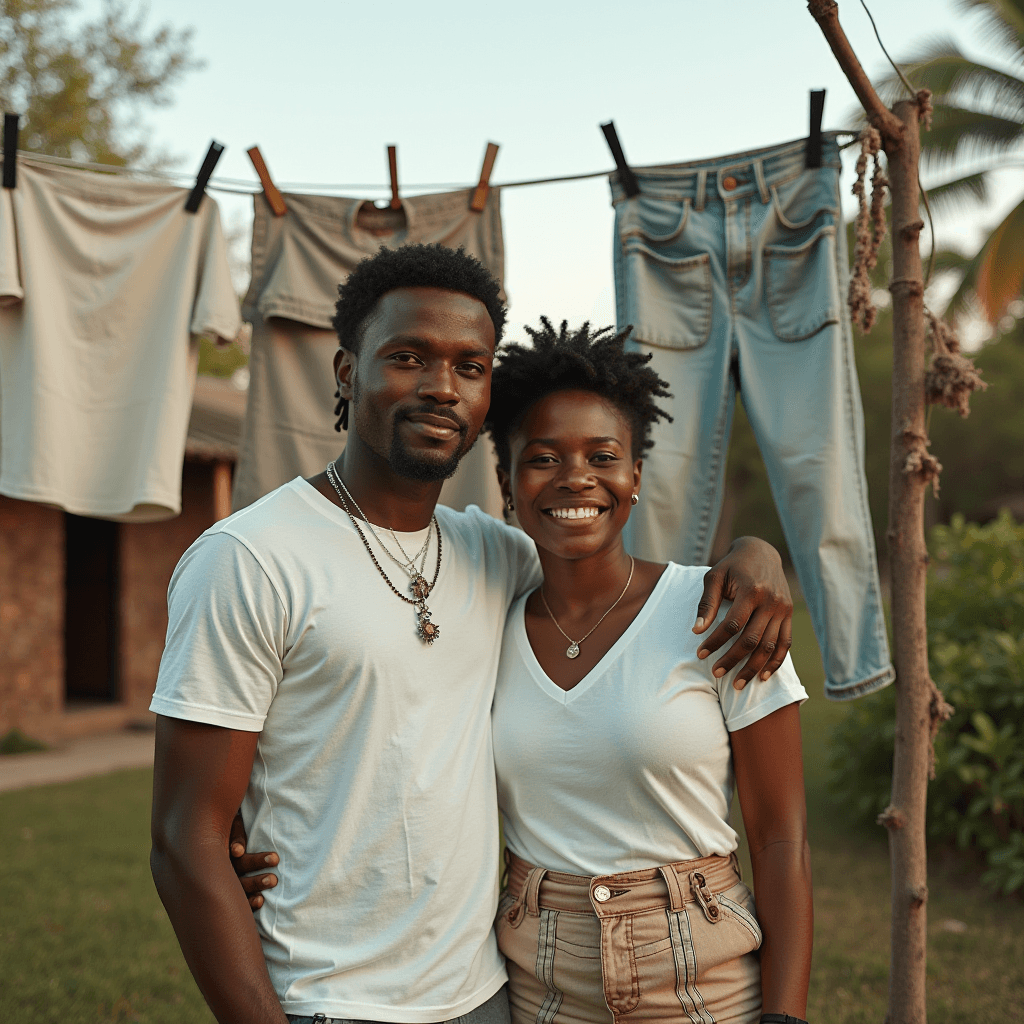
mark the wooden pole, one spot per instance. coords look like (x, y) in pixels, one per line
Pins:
(908, 554)
(908, 563)
(221, 490)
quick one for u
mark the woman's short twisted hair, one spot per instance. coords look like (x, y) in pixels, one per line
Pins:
(565, 360)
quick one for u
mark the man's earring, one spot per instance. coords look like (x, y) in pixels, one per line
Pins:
(510, 505)
(634, 498)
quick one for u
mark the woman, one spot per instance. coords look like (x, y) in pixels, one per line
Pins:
(617, 748)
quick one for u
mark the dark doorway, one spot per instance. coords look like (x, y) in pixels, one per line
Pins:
(90, 611)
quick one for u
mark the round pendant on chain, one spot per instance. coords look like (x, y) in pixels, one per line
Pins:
(428, 631)
(420, 587)
(573, 651)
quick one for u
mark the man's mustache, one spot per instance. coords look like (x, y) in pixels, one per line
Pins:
(439, 411)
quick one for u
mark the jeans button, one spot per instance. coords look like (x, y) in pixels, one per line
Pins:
(729, 183)
(602, 894)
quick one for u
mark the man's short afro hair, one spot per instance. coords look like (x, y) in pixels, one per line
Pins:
(413, 266)
(565, 360)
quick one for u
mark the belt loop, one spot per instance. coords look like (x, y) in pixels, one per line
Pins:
(532, 890)
(705, 897)
(675, 892)
(762, 187)
(702, 186)
(527, 898)
(735, 861)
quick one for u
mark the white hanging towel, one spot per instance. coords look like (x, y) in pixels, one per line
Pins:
(105, 285)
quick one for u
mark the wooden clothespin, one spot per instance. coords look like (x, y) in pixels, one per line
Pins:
(483, 188)
(627, 178)
(11, 150)
(270, 191)
(814, 140)
(210, 161)
(396, 203)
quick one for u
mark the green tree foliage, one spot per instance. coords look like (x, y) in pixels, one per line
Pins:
(75, 82)
(976, 656)
(978, 120)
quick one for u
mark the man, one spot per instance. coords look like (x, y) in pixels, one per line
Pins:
(330, 660)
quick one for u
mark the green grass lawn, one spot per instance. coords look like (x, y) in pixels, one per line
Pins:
(83, 937)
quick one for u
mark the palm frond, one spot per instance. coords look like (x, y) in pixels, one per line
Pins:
(1000, 277)
(959, 134)
(953, 78)
(947, 260)
(953, 196)
(1003, 19)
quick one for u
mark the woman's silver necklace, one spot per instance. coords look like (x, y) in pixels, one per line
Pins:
(427, 631)
(573, 650)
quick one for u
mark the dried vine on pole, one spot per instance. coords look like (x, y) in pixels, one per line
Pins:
(948, 379)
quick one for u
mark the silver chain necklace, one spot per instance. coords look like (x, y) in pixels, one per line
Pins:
(427, 631)
(573, 650)
(409, 565)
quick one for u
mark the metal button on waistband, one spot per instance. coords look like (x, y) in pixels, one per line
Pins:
(729, 183)
(602, 893)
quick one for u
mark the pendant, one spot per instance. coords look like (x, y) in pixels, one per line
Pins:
(573, 651)
(420, 587)
(427, 631)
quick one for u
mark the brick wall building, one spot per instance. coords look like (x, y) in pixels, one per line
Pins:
(83, 602)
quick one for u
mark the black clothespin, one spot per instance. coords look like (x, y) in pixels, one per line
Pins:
(196, 196)
(814, 142)
(628, 179)
(396, 203)
(480, 193)
(11, 150)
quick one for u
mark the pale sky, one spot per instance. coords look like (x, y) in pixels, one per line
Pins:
(323, 86)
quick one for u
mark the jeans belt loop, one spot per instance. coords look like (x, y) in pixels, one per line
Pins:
(705, 897)
(734, 861)
(762, 186)
(526, 901)
(702, 186)
(675, 891)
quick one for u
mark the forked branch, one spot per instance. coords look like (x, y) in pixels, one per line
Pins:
(826, 14)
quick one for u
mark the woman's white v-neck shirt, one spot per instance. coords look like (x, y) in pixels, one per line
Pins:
(632, 767)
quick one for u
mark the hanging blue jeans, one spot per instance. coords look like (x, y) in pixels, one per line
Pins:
(741, 261)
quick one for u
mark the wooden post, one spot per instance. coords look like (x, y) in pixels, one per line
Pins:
(221, 490)
(908, 554)
(908, 563)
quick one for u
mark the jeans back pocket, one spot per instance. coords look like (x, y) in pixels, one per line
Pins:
(802, 285)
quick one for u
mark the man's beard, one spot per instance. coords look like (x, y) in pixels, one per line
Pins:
(420, 465)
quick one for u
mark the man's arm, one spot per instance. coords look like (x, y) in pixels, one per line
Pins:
(770, 782)
(201, 775)
(752, 577)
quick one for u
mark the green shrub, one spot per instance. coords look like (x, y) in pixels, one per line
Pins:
(976, 654)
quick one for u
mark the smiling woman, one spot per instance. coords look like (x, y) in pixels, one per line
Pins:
(615, 756)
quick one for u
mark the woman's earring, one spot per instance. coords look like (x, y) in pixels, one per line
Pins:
(510, 505)
(634, 498)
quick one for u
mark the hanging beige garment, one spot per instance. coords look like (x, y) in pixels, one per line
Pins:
(104, 285)
(298, 261)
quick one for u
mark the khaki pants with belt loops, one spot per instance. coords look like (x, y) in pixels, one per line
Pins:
(676, 943)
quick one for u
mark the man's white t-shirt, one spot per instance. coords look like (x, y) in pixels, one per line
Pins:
(374, 775)
(632, 767)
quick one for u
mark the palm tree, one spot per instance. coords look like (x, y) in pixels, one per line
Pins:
(979, 124)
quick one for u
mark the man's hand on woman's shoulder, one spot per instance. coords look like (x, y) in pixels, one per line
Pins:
(752, 577)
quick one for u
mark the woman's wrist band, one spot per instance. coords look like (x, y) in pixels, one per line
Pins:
(780, 1018)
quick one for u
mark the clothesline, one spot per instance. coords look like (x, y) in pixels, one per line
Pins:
(242, 186)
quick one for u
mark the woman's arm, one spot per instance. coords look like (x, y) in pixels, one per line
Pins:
(770, 781)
